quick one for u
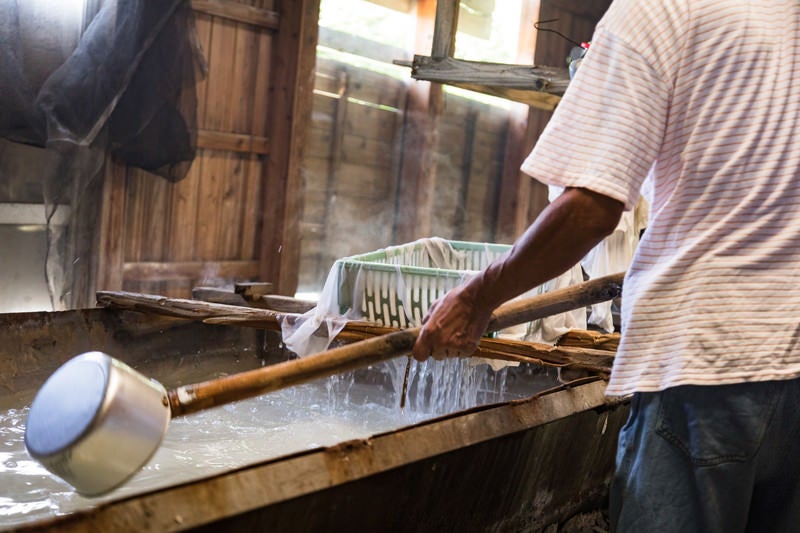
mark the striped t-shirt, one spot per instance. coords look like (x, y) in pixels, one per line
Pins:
(703, 95)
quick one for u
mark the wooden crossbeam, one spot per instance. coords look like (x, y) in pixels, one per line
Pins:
(263, 18)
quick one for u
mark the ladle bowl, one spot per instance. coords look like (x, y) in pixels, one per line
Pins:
(95, 422)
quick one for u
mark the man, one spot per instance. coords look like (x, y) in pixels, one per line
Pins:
(702, 96)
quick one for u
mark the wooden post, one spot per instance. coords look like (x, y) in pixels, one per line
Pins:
(424, 107)
(291, 92)
(444, 31)
(112, 228)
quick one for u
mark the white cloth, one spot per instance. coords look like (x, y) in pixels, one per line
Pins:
(612, 255)
(701, 95)
(410, 296)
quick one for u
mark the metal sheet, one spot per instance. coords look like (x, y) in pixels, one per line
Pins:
(516, 466)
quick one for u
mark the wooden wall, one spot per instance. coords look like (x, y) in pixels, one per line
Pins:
(469, 159)
(227, 220)
(300, 163)
(352, 168)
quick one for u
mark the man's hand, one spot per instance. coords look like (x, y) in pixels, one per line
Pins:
(453, 326)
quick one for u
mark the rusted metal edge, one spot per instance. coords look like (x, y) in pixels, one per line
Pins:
(280, 479)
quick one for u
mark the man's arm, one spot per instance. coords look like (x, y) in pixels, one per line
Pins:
(562, 234)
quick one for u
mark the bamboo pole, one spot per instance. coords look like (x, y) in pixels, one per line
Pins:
(195, 397)
(199, 396)
(515, 312)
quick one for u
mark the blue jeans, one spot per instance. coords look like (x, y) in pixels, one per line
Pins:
(710, 459)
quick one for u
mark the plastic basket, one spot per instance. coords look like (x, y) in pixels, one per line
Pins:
(395, 286)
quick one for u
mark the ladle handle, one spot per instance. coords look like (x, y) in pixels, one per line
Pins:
(196, 397)
(192, 398)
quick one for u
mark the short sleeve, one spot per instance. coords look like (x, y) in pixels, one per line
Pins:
(608, 128)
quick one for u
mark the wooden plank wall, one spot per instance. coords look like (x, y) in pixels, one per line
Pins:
(259, 204)
(469, 158)
(208, 229)
(351, 169)
(348, 203)
(203, 229)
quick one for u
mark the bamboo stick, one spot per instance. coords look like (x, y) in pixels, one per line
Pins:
(509, 314)
(195, 397)
(199, 396)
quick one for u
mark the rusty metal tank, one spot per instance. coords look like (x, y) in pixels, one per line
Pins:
(519, 464)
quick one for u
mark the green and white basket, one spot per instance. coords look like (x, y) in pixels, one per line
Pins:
(395, 286)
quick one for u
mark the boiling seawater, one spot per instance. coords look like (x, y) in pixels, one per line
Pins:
(314, 415)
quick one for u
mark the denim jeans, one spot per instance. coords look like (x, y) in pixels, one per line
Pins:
(710, 459)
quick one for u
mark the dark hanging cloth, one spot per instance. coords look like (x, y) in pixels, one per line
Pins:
(129, 85)
(17, 117)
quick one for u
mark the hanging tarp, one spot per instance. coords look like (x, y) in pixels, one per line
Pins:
(127, 86)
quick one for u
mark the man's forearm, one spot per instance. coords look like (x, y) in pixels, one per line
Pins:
(561, 236)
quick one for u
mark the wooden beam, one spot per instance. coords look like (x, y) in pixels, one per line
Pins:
(551, 80)
(424, 107)
(536, 86)
(291, 88)
(232, 142)
(535, 193)
(272, 302)
(84, 196)
(526, 43)
(194, 270)
(536, 99)
(511, 201)
(466, 174)
(335, 155)
(285, 304)
(590, 339)
(217, 296)
(597, 359)
(253, 290)
(228, 9)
